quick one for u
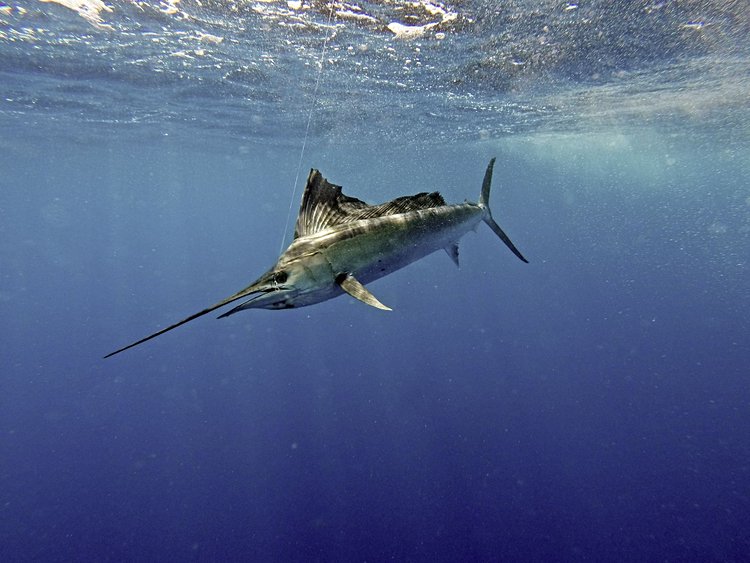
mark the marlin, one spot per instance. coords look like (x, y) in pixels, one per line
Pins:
(341, 243)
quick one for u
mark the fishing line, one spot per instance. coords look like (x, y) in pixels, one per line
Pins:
(307, 128)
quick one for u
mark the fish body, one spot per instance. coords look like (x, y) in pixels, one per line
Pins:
(341, 243)
(367, 249)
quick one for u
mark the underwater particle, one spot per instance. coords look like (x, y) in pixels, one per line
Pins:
(718, 228)
(55, 214)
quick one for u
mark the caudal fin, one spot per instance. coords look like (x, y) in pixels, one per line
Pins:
(484, 201)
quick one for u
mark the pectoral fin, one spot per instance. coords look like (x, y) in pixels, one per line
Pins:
(349, 283)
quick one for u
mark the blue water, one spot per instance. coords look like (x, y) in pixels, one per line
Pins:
(593, 405)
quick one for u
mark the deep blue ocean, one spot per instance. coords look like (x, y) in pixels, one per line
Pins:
(592, 405)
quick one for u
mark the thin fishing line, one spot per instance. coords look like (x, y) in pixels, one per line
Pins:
(307, 128)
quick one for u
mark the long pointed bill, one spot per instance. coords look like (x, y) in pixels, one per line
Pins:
(256, 287)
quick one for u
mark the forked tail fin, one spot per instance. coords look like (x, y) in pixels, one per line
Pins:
(484, 202)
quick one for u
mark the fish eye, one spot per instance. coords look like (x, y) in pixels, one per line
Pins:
(280, 277)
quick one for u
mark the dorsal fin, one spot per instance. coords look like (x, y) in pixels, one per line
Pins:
(402, 204)
(324, 205)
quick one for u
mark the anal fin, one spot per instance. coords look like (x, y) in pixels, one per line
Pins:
(351, 285)
(452, 251)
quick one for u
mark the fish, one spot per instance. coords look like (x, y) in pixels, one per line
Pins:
(341, 244)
